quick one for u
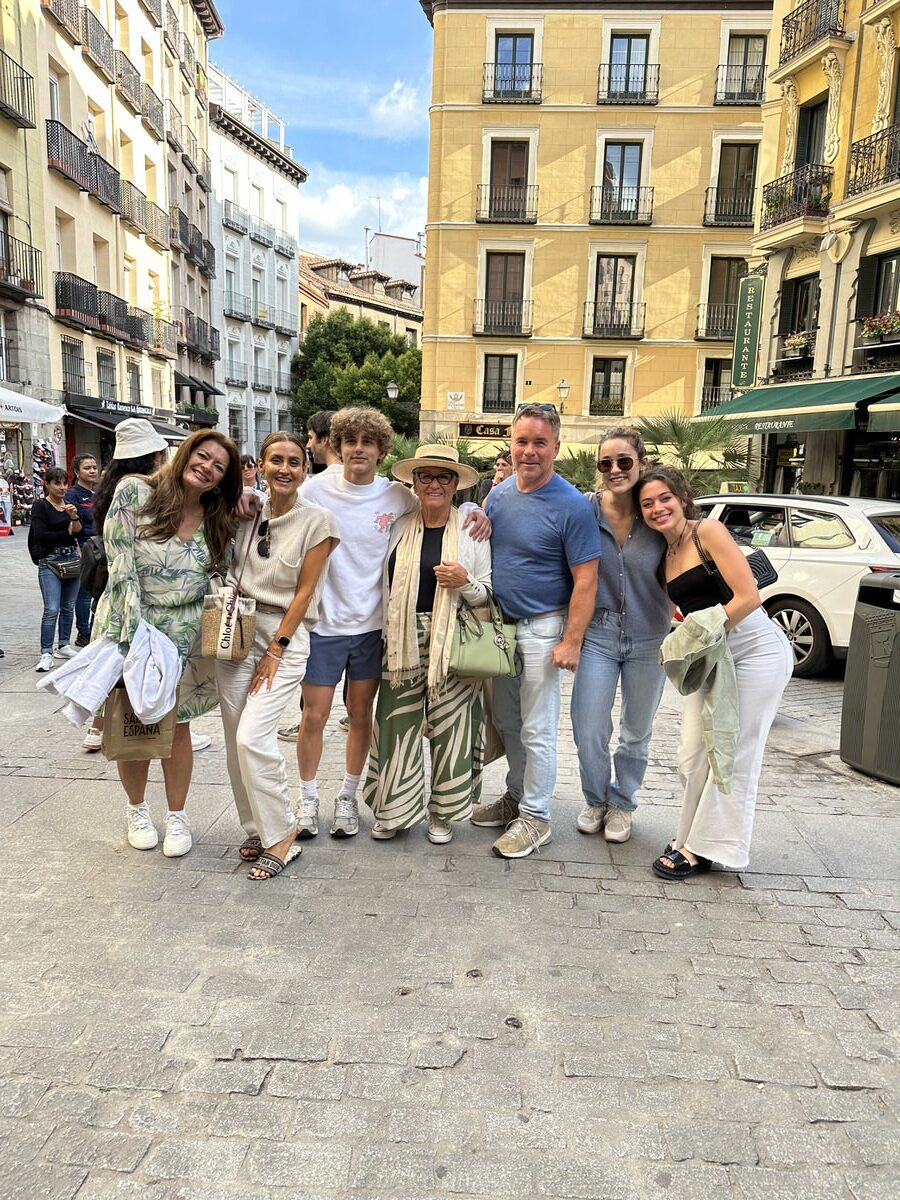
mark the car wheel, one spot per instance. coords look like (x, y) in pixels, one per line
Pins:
(806, 632)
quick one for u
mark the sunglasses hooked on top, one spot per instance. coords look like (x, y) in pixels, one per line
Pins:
(531, 404)
(624, 462)
(264, 545)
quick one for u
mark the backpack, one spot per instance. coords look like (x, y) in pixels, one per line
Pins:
(94, 566)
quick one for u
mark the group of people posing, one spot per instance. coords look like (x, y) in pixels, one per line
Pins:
(357, 577)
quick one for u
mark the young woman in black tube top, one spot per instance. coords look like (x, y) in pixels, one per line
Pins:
(715, 826)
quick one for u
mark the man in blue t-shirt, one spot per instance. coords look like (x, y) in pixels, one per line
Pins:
(545, 546)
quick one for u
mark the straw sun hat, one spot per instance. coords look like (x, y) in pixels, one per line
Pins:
(439, 458)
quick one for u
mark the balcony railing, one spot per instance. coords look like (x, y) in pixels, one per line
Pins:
(740, 83)
(187, 57)
(795, 362)
(285, 321)
(809, 23)
(68, 155)
(157, 225)
(236, 305)
(67, 15)
(282, 384)
(514, 203)
(174, 126)
(189, 155)
(21, 268)
(96, 44)
(615, 321)
(874, 161)
(112, 315)
(195, 246)
(503, 400)
(728, 206)
(262, 314)
(285, 244)
(134, 207)
(502, 318)
(262, 232)
(171, 29)
(716, 321)
(179, 229)
(153, 9)
(208, 262)
(628, 83)
(76, 300)
(152, 112)
(204, 176)
(16, 93)
(512, 83)
(235, 218)
(163, 339)
(804, 193)
(128, 81)
(236, 373)
(711, 396)
(201, 85)
(106, 183)
(608, 400)
(621, 206)
(263, 379)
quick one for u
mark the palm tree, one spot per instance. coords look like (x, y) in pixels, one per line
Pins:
(706, 452)
(580, 469)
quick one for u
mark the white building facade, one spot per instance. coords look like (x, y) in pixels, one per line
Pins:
(255, 220)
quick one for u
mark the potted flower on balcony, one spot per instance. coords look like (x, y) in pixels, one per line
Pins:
(796, 345)
(884, 326)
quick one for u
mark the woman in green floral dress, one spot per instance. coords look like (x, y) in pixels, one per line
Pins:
(164, 535)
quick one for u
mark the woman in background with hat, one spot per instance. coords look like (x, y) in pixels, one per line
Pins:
(433, 566)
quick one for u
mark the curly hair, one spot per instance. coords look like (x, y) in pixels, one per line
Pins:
(677, 485)
(361, 422)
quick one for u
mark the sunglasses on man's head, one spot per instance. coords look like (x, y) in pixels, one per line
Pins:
(530, 404)
(623, 461)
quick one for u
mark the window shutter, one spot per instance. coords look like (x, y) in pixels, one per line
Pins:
(866, 282)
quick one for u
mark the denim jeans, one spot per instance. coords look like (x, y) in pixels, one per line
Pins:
(83, 612)
(608, 657)
(526, 713)
(6, 508)
(59, 605)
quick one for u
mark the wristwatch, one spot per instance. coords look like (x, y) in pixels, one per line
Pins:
(283, 642)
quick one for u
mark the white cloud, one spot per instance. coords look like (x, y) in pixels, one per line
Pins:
(399, 113)
(335, 208)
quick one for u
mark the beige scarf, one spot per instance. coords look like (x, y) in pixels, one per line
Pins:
(402, 641)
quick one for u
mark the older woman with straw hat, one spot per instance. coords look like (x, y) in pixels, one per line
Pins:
(433, 566)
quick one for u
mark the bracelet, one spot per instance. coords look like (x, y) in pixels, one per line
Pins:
(277, 657)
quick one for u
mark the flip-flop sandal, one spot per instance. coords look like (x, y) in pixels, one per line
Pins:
(272, 864)
(250, 850)
(682, 868)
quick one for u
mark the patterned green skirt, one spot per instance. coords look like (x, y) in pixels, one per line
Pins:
(395, 780)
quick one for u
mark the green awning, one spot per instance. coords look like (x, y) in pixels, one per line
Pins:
(807, 406)
(884, 417)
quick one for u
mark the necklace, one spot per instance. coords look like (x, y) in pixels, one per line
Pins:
(676, 546)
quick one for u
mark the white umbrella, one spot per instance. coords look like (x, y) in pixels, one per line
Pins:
(25, 410)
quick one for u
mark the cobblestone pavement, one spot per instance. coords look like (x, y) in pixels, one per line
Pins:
(399, 1020)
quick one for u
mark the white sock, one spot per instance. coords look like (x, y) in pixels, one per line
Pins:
(309, 788)
(350, 786)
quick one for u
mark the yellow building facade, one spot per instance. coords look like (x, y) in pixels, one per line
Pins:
(591, 181)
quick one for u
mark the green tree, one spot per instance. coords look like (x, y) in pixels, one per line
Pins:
(705, 451)
(580, 469)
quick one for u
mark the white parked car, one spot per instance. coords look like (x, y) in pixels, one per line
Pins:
(821, 546)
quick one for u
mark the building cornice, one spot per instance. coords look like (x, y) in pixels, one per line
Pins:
(212, 23)
(430, 7)
(234, 128)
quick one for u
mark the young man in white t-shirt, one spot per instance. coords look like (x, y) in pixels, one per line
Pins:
(347, 638)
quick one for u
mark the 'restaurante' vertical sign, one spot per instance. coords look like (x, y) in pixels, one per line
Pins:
(746, 331)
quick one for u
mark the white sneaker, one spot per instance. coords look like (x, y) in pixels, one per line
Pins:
(142, 833)
(345, 822)
(199, 741)
(381, 833)
(178, 835)
(591, 818)
(45, 663)
(93, 740)
(617, 827)
(439, 830)
(344, 724)
(67, 652)
(308, 818)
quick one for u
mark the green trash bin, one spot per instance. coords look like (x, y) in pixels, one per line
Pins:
(870, 718)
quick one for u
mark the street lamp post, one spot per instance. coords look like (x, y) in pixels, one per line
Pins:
(562, 390)
(393, 391)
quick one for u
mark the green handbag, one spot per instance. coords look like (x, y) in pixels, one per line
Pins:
(483, 646)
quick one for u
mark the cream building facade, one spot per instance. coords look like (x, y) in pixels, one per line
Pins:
(591, 188)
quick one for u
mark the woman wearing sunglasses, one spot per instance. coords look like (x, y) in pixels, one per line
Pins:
(621, 645)
(281, 561)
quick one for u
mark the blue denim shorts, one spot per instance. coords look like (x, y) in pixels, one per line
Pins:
(358, 656)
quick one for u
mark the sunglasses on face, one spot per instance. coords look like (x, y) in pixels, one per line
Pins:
(444, 478)
(624, 462)
(264, 544)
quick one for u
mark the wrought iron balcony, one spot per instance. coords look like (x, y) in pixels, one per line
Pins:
(163, 337)
(139, 328)
(628, 83)
(69, 155)
(201, 84)
(106, 183)
(179, 229)
(174, 126)
(96, 44)
(128, 81)
(614, 321)
(804, 193)
(204, 177)
(728, 206)
(716, 321)
(285, 244)
(621, 206)
(189, 155)
(157, 225)
(112, 315)
(283, 383)
(794, 352)
(236, 373)
(187, 57)
(152, 112)
(502, 318)
(711, 396)
(195, 246)
(503, 400)
(21, 268)
(262, 232)
(208, 265)
(153, 9)
(171, 28)
(263, 379)
(67, 15)
(514, 203)
(134, 207)
(262, 314)
(235, 218)
(740, 83)
(76, 301)
(212, 352)
(512, 83)
(183, 323)
(874, 161)
(607, 400)
(809, 23)
(285, 321)
(236, 305)
(16, 93)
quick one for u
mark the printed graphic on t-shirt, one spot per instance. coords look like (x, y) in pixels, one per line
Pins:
(384, 521)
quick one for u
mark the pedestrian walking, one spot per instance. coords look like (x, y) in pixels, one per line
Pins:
(281, 564)
(702, 568)
(164, 535)
(433, 566)
(81, 494)
(53, 542)
(546, 547)
(621, 644)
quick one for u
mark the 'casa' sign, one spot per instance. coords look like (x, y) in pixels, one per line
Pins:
(475, 429)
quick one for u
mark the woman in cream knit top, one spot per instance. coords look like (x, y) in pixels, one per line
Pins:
(280, 561)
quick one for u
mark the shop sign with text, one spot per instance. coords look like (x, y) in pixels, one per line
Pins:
(746, 331)
(475, 429)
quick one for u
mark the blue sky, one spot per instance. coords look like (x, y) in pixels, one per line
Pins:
(352, 80)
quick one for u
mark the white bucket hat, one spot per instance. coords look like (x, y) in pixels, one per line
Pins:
(440, 457)
(136, 437)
